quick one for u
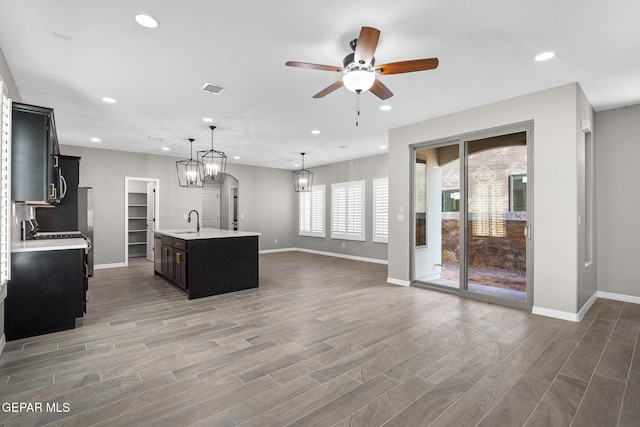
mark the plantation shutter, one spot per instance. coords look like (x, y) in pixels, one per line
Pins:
(381, 210)
(5, 189)
(347, 210)
(311, 212)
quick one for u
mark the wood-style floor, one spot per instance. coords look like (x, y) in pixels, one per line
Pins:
(323, 342)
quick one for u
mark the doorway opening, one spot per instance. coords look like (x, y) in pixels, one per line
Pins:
(220, 204)
(141, 201)
(472, 209)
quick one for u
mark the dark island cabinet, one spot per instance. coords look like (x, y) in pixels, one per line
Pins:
(205, 267)
(46, 293)
(34, 155)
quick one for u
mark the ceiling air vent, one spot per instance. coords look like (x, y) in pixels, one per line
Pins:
(213, 88)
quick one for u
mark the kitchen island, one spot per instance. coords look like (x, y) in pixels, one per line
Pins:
(207, 262)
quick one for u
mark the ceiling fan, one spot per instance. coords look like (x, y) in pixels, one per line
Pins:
(359, 69)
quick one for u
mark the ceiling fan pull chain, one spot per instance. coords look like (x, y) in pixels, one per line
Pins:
(358, 106)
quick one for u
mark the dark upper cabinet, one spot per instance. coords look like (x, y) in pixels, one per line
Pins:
(34, 155)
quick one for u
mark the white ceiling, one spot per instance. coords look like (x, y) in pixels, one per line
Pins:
(69, 54)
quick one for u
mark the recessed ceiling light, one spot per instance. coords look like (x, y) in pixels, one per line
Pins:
(296, 165)
(385, 107)
(208, 119)
(165, 148)
(315, 132)
(545, 56)
(109, 100)
(382, 147)
(147, 21)
(94, 139)
(236, 157)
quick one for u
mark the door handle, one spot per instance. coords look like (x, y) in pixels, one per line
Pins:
(178, 258)
(527, 231)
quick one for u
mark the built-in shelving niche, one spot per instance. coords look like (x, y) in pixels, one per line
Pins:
(137, 221)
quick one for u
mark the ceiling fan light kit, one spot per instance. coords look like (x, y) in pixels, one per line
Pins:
(358, 80)
(360, 71)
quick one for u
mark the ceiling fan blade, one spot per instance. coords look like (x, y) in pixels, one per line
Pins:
(366, 45)
(408, 66)
(313, 66)
(380, 90)
(329, 89)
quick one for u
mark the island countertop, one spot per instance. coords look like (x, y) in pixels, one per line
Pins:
(206, 233)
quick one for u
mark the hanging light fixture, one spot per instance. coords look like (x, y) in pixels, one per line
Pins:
(302, 179)
(213, 163)
(188, 171)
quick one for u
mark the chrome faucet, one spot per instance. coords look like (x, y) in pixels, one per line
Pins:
(197, 219)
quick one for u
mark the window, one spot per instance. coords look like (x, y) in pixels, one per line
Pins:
(488, 214)
(347, 210)
(450, 200)
(311, 212)
(518, 193)
(381, 210)
(5, 189)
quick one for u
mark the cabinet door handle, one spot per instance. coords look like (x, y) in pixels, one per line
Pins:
(86, 270)
(52, 194)
(178, 258)
(55, 161)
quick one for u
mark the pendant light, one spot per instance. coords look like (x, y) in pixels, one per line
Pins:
(189, 171)
(213, 163)
(302, 179)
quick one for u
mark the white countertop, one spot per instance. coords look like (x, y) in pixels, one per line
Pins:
(206, 233)
(48, 245)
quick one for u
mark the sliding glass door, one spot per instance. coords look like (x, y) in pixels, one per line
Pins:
(472, 204)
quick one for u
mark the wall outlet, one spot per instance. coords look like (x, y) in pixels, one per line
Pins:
(344, 244)
(275, 240)
(186, 216)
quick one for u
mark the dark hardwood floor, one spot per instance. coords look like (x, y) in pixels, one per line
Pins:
(323, 342)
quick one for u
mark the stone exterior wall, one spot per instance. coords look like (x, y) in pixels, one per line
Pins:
(504, 252)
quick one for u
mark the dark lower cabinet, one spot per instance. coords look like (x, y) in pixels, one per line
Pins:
(205, 267)
(46, 293)
(180, 268)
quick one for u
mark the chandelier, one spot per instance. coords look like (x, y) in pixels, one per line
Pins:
(213, 163)
(302, 179)
(188, 171)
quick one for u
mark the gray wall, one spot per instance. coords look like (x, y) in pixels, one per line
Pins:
(266, 202)
(617, 152)
(366, 169)
(7, 78)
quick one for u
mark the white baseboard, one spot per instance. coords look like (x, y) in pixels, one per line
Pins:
(272, 251)
(556, 314)
(105, 266)
(619, 297)
(576, 317)
(587, 305)
(337, 255)
(566, 315)
(398, 282)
